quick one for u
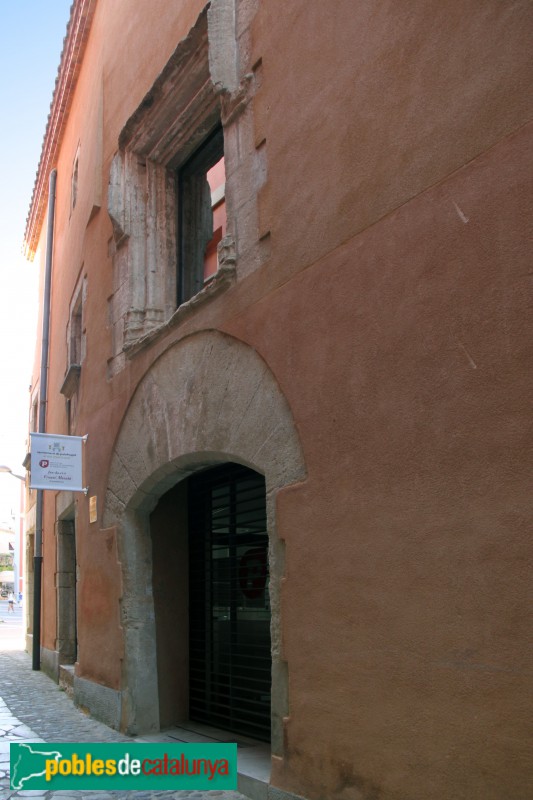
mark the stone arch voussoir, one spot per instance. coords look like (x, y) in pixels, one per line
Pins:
(208, 395)
(209, 399)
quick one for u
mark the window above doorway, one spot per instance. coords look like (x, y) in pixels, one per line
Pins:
(170, 247)
(202, 216)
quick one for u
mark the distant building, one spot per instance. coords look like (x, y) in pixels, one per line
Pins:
(289, 308)
(7, 559)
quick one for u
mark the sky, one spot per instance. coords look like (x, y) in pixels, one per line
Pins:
(31, 40)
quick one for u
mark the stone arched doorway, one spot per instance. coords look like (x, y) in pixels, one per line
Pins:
(209, 400)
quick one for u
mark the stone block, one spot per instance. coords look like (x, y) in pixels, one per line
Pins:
(103, 703)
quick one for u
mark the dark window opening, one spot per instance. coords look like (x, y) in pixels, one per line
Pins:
(202, 215)
(74, 183)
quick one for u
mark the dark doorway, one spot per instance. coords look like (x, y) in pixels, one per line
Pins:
(229, 605)
(67, 583)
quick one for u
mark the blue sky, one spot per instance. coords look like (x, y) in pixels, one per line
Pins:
(31, 40)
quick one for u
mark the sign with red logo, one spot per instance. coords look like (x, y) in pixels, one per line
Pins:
(57, 462)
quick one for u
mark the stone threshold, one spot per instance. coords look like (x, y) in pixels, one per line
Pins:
(253, 757)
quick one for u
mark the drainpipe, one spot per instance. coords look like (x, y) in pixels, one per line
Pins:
(43, 396)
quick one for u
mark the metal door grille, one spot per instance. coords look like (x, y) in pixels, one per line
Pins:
(229, 605)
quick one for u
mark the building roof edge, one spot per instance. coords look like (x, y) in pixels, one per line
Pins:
(78, 28)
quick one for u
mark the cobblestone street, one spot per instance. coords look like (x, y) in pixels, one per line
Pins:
(33, 708)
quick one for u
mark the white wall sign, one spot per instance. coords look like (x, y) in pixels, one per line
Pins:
(56, 462)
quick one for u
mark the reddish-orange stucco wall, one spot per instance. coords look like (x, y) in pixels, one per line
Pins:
(407, 550)
(393, 312)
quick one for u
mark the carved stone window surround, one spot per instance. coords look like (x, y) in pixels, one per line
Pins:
(179, 111)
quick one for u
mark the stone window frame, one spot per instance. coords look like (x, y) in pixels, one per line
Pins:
(179, 112)
(76, 349)
(76, 331)
(74, 180)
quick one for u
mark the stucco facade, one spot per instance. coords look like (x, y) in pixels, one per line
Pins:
(364, 346)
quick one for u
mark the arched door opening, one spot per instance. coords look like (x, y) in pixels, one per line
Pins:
(210, 553)
(209, 400)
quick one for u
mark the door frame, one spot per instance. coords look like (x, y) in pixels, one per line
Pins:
(208, 399)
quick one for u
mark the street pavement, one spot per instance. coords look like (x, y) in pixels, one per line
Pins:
(34, 709)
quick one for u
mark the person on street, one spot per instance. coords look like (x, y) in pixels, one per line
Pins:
(10, 601)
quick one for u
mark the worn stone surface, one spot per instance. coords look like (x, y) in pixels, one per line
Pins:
(142, 198)
(222, 45)
(208, 400)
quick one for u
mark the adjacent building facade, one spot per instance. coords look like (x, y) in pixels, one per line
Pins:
(290, 310)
